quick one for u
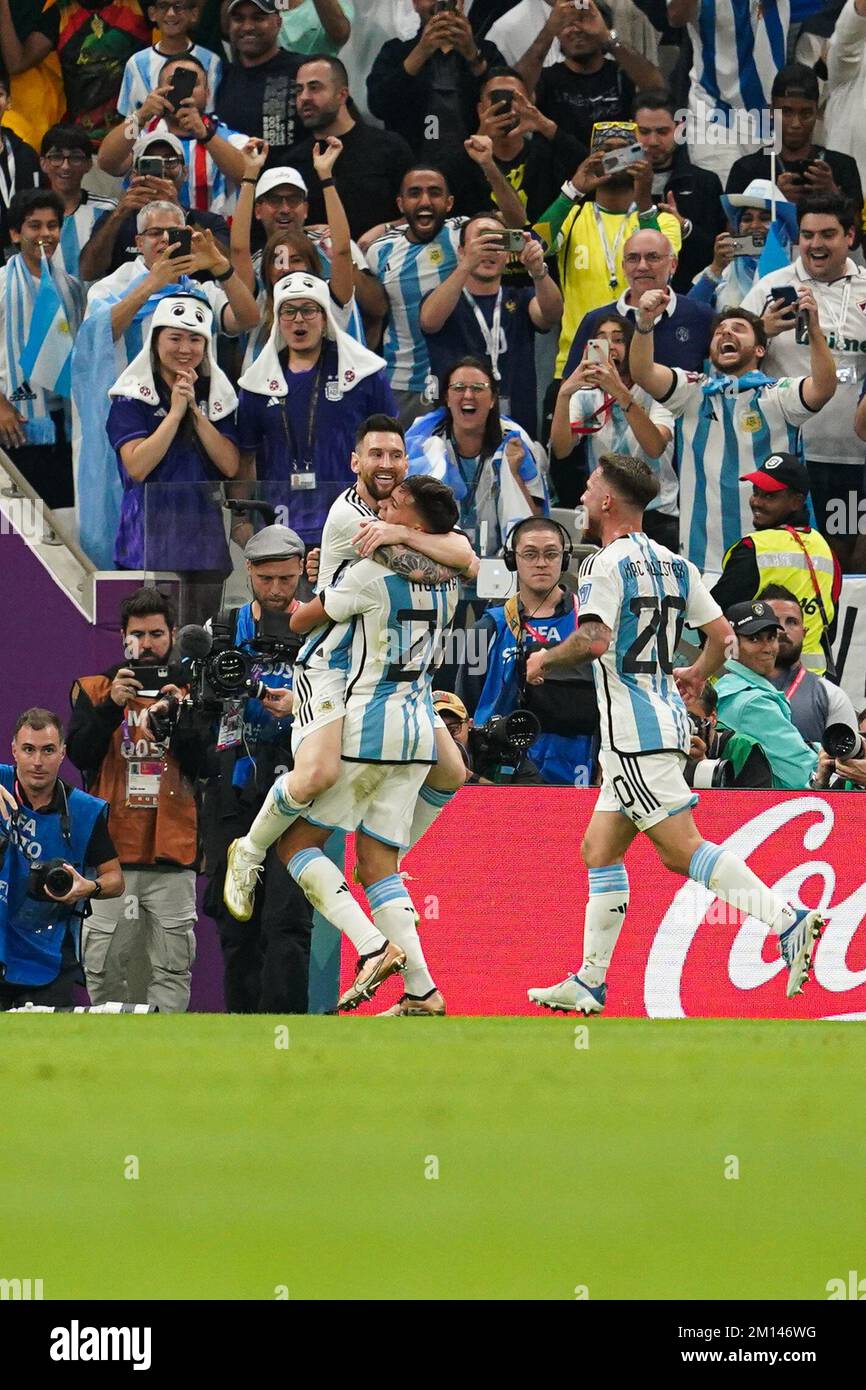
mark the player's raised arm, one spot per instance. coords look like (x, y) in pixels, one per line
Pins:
(451, 552)
(308, 615)
(646, 372)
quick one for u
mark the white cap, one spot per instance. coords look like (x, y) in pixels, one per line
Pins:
(277, 178)
(760, 193)
(156, 137)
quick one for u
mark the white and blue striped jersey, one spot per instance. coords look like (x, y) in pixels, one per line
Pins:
(738, 47)
(327, 648)
(205, 187)
(408, 271)
(397, 635)
(77, 229)
(141, 75)
(722, 432)
(617, 437)
(645, 594)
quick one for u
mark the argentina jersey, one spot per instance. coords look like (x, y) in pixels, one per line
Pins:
(397, 640)
(327, 647)
(408, 271)
(738, 47)
(77, 229)
(645, 594)
(725, 428)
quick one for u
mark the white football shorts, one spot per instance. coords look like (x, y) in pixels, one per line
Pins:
(377, 797)
(647, 789)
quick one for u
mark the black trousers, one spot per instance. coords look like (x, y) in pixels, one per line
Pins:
(266, 961)
(56, 994)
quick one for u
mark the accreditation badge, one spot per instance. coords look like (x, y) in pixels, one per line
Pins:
(231, 725)
(303, 480)
(142, 784)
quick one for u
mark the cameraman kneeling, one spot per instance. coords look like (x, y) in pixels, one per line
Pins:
(541, 614)
(267, 958)
(55, 854)
(718, 757)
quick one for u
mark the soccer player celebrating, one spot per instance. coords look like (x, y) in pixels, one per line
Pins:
(392, 629)
(353, 525)
(634, 597)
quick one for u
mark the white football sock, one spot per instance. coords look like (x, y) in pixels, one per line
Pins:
(326, 889)
(605, 913)
(733, 881)
(395, 916)
(280, 810)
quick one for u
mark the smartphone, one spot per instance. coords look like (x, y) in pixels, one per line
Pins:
(786, 292)
(181, 238)
(504, 96)
(445, 6)
(748, 245)
(598, 350)
(151, 166)
(153, 678)
(616, 160)
(798, 168)
(512, 242)
(183, 82)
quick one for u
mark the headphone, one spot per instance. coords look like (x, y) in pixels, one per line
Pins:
(509, 550)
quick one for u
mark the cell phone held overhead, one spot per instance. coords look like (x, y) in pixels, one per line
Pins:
(614, 161)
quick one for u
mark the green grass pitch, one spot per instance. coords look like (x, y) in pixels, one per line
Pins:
(303, 1168)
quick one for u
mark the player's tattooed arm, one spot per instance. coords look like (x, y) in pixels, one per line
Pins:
(412, 565)
(587, 644)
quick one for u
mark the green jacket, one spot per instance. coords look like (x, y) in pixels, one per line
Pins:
(749, 704)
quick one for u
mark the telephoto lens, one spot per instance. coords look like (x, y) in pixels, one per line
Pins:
(841, 741)
(59, 881)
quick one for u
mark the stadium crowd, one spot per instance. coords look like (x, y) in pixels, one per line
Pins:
(525, 236)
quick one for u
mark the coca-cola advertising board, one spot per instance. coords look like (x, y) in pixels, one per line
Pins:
(501, 888)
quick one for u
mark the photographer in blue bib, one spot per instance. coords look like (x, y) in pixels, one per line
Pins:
(541, 614)
(266, 958)
(55, 855)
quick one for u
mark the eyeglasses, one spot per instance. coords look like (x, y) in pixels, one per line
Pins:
(74, 157)
(531, 555)
(652, 258)
(299, 311)
(164, 6)
(276, 200)
(461, 387)
(158, 231)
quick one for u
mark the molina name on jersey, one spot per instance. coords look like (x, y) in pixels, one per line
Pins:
(396, 632)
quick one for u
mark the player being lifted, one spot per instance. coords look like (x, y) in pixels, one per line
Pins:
(634, 597)
(393, 630)
(352, 527)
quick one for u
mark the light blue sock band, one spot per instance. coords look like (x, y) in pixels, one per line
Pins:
(434, 798)
(387, 890)
(612, 879)
(704, 861)
(299, 861)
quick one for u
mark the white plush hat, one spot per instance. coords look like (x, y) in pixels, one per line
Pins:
(354, 361)
(192, 312)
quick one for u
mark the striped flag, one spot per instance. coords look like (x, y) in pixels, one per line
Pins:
(47, 357)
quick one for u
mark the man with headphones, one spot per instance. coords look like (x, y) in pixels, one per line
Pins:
(541, 614)
(47, 825)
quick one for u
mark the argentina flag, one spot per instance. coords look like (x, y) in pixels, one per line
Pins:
(46, 359)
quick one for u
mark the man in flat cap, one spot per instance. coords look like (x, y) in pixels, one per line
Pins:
(266, 959)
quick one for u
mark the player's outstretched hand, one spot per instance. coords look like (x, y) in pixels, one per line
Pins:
(690, 681)
(535, 669)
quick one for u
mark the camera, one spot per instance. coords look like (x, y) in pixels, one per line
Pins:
(709, 772)
(505, 738)
(51, 876)
(216, 670)
(842, 742)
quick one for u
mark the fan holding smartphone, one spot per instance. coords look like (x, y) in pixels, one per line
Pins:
(213, 154)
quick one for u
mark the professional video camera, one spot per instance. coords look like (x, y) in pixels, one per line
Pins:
(219, 670)
(503, 741)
